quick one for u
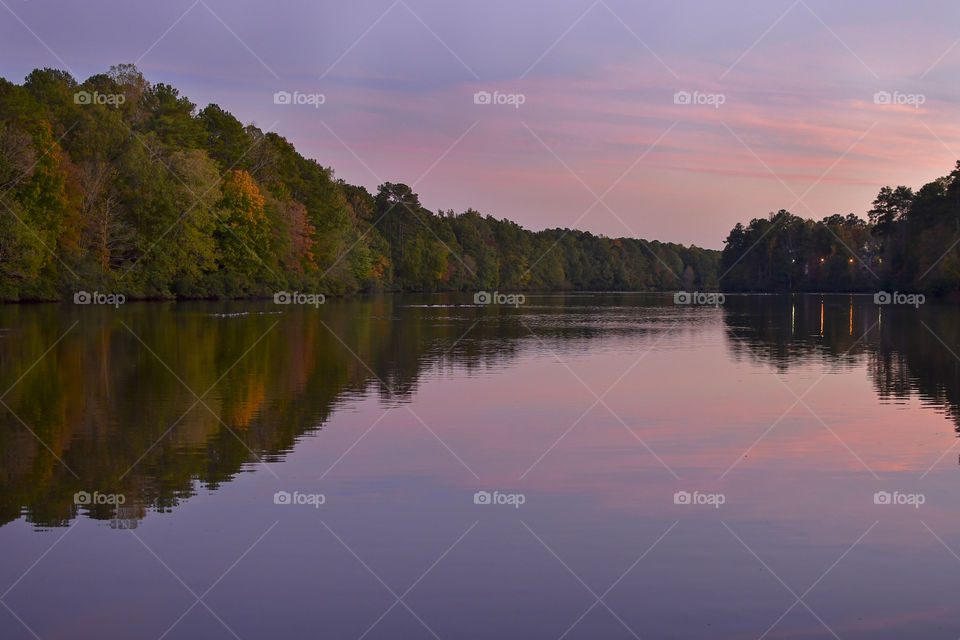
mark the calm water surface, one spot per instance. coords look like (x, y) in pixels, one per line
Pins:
(653, 470)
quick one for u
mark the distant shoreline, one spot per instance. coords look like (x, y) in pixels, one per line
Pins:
(536, 293)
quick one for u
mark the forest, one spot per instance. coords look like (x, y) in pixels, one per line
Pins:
(123, 186)
(908, 242)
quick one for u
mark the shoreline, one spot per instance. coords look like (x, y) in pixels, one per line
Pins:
(527, 292)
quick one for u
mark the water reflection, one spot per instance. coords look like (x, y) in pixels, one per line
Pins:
(153, 401)
(150, 400)
(909, 351)
(157, 401)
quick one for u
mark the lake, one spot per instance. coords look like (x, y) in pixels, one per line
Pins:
(575, 466)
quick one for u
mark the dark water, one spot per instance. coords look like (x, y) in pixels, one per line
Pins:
(587, 414)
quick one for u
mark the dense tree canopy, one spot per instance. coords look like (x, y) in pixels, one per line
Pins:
(116, 184)
(910, 241)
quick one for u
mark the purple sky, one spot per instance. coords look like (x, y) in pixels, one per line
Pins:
(797, 81)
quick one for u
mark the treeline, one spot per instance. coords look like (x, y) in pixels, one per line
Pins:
(910, 241)
(124, 186)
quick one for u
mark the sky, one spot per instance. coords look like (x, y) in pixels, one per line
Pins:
(804, 105)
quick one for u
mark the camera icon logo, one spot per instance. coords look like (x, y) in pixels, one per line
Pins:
(681, 297)
(482, 97)
(281, 497)
(82, 297)
(682, 97)
(882, 297)
(482, 497)
(282, 97)
(682, 497)
(882, 97)
(81, 497)
(482, 297)
(83, 97)
(882, 497)
(282, 297)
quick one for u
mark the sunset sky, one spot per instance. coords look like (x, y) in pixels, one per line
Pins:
(798, 127)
